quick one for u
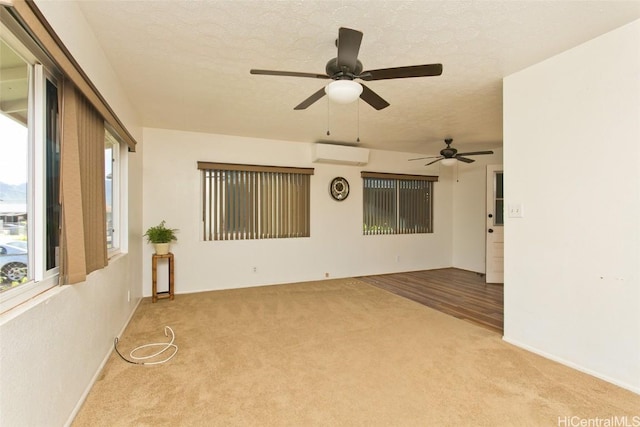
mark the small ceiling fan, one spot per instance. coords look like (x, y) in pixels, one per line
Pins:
(449, 155)
(346, 67)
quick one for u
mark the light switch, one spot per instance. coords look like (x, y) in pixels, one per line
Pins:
(516, 210)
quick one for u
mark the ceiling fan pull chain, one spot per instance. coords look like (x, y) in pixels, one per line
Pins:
(328, 117)
(358, 118)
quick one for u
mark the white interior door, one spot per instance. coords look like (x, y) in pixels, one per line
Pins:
(495, 225)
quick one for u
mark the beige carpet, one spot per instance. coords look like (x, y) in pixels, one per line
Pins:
(334, 353)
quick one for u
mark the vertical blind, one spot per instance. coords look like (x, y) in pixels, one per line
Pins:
(84, 244)
(254, 202)
(379, 207)
(397, 203)
(414, 206)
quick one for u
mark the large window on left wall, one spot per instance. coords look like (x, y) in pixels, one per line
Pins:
(29, 173)
(30, 170)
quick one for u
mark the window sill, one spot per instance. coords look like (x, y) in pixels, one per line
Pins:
(115, 256)
(12, 306)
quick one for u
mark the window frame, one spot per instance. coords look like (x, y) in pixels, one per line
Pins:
(39, 278)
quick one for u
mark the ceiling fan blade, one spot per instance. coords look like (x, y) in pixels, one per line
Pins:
(422, 158)
(403, 72)
(373, 99)
(464, 159)
(289, 74)
(437, 160)
(474, 153)
(348, 47)
(310, 100)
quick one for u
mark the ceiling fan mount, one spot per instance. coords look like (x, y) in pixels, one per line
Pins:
(448, 152)
(346, 66)
(452, 153)
(337, 72)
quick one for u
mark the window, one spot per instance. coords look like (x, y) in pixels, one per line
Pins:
(254, 202)
(52, 179)
(112, 189)
(29, 173)
(498, 195)
(397, 204)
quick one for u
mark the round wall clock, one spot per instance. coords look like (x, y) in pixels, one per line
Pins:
(339, 188)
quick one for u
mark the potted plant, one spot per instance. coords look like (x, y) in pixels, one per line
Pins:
(161, 237)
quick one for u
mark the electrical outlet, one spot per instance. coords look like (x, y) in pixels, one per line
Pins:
(254, 269)
(326, 274)
(397, 258)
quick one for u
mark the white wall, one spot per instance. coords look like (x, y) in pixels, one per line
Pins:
(572, 158)
(53, 346)
(172, 188)
(469, 212)
(51, 352)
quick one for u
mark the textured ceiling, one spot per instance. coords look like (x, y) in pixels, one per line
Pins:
(185, 64)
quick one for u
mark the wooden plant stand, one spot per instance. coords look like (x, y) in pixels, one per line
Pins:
(154, 277)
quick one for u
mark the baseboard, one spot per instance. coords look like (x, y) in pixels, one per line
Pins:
(95, 377)
(630, 387)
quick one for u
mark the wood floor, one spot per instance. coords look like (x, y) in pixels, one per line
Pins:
(460, 293)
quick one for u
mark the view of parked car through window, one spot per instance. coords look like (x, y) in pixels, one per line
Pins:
(13, 264)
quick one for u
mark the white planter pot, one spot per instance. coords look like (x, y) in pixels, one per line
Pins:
(162, 248)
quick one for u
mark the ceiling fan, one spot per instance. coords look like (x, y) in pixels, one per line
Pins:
(450, 155)
(346, 67)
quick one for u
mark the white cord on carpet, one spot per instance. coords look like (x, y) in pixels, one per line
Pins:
(164, 347)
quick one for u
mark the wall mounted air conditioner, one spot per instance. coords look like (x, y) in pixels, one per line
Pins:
(339, 154)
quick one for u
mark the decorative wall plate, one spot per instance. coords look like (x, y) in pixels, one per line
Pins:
(339, 188)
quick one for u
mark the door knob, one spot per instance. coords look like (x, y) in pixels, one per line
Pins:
(490, 215)
(490, 230)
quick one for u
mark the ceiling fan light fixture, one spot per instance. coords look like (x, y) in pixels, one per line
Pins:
(343, 91)
(448, 162)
